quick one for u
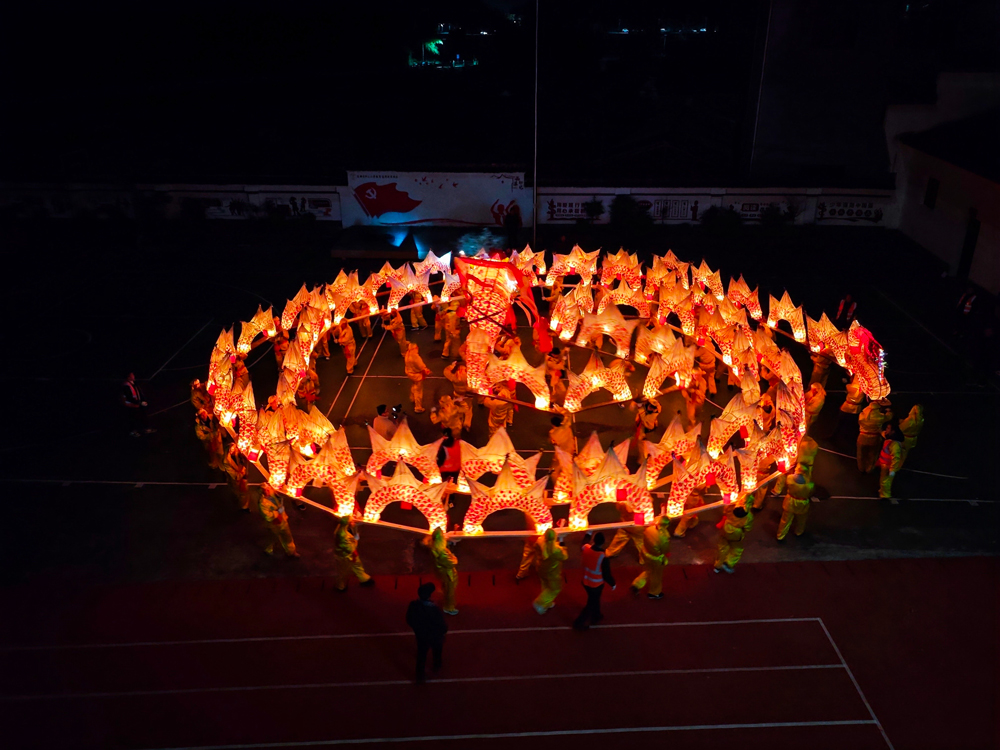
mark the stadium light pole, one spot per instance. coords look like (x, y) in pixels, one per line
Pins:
(534, 169)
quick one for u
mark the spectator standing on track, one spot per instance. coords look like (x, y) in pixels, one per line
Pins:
(550, 556)
(428, 625)
(135, 407)
(345, 553)
(446, 567)
(384, 425)
(596, 573)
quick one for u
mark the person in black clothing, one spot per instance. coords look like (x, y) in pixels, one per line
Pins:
(135, 406)
(428, 624)
(596, 573)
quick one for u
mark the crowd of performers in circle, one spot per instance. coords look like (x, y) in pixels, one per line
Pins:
(883, 443)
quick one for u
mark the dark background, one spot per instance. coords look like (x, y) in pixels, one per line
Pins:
(273, 92)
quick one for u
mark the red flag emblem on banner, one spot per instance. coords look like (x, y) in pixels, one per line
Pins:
(384, 199)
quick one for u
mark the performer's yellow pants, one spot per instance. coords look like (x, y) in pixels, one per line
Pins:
(653, 575)
(345, 567)
(284, 536)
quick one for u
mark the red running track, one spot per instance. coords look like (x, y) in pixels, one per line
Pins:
(842, 655)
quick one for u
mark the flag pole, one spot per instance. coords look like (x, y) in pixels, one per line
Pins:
(534, 171)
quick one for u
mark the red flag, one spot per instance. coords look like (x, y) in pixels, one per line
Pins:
(376, 200)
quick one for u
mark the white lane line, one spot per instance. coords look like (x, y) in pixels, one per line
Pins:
(389, 683)
(183, 347)
(348, 377)
(915, 471)
(516, 735)
(361, 384)
(970, 500)
(925, 329)
(401, 633)
(856, 685)
(179, 403)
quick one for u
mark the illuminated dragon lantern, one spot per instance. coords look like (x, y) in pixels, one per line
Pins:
(298, 447)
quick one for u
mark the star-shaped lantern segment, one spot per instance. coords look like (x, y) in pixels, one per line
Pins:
(516, 368)
(709, 280)
(220, 367)
(345, 292)
(432, 264)
(610, 483)
(294, 361)
(820, 332)
(491, 459)
(678, 363)
(575, 262)
(784, 309)
(737, 415)
(700, 470)
(331, 467)
(292, 308)
(767, 351)
(261, 322)
(611, 323)
(278, 455)
(507, 493)
(382, 276)
(659, 274)
(679, 267)
(625, 294)
(403, 448)
(313, 323)
(658, 339)
(789, 399)
(406, 489)
(594, 376)
(530, 262)
(623, 267)
(409, 283)
(675, 442)
(741, 296)
(452, 283)
(569, 310)
(588, 460)
(866, 359)
(313, 430)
